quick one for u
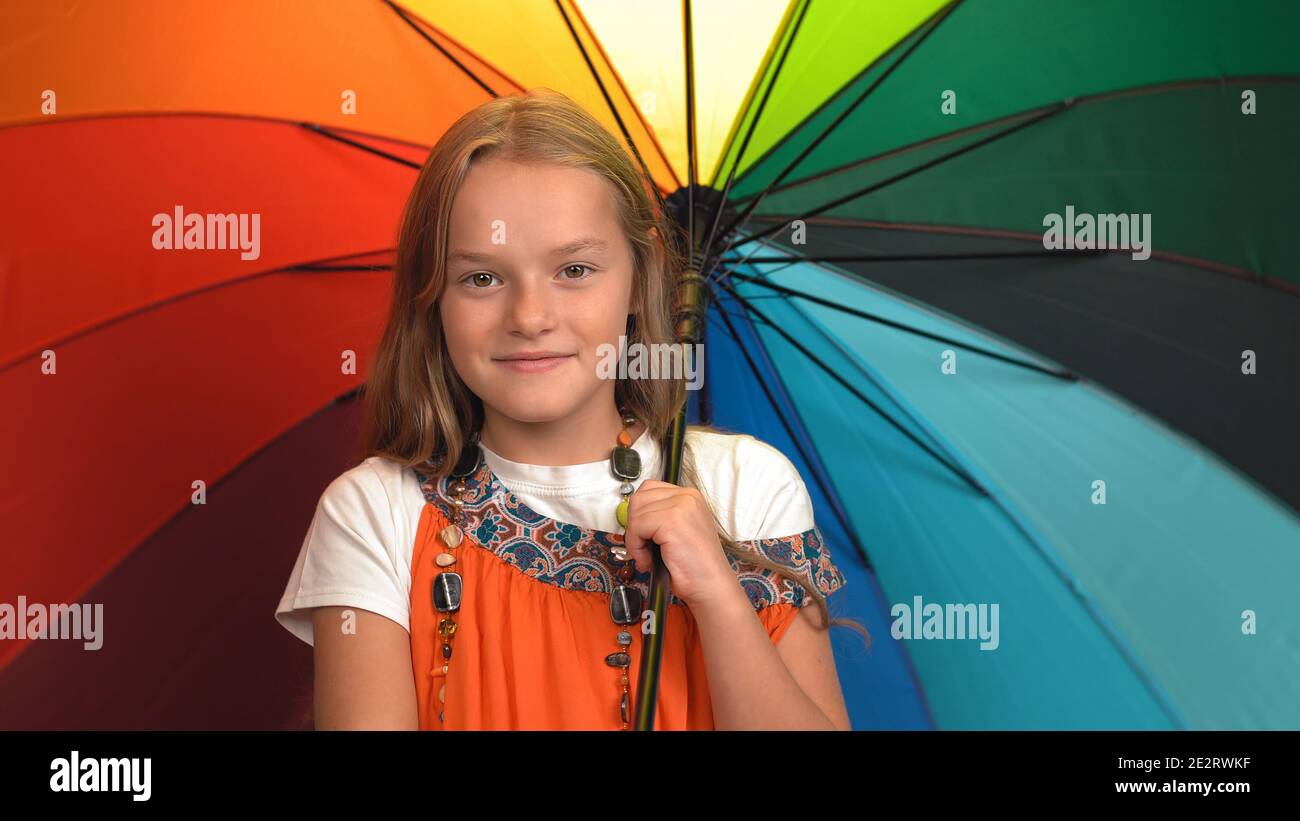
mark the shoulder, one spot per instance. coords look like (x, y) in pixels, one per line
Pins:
(357, 548)
(376, 502)
(754, 487)
(736, 448)
(356, 509)
(377, 482)
(761, 498)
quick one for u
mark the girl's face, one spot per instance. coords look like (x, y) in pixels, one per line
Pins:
(537, 265)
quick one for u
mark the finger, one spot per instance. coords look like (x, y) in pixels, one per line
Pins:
(664, 490)
(673, 513)
(640, 531)
(645, 503)
(657, 492)
(657, 523)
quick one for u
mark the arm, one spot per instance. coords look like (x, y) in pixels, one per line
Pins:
(363, 679)
(801, 689)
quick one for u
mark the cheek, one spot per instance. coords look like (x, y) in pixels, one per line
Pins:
(597, 324)
(605, 315)
(460, 331)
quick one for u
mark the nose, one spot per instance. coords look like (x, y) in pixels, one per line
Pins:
(532, 308)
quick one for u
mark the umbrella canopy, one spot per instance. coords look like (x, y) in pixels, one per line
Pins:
(1092, 441)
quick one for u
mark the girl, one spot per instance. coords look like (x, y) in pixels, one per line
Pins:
(485, 566)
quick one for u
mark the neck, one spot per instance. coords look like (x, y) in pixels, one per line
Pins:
(585, 436)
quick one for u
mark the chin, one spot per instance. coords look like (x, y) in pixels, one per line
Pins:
(526, 408)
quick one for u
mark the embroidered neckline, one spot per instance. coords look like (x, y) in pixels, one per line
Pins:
(571, 556)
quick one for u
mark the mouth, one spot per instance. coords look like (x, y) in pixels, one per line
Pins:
(536, 364)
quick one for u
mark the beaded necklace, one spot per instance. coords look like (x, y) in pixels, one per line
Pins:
(624, 599)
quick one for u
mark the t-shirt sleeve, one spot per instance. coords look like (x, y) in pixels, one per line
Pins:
(349, 556)
(772, 493)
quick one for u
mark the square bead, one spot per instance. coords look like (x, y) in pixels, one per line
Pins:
(626, 463)
(446, 592)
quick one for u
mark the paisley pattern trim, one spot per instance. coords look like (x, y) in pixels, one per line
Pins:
(578, 558)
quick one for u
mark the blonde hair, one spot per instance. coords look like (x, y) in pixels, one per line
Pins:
(417, 410)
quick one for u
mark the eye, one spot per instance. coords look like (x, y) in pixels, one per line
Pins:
(474, 283)
(569, 268)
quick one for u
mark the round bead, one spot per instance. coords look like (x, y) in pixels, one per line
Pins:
(624, 638)
(621, 513)
(626, 488)
(444, 560)
(451, 536)
(444, 669)
(619, 553)
(626, 572)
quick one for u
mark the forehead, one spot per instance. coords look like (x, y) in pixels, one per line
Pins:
(536, 204)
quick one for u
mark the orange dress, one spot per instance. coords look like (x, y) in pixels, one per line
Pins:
(534, 626)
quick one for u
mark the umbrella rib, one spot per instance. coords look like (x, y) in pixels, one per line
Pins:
(791, 21)
(1010, 360)
(960, 472)
(310, 268)
(402, 14)
(1046, 114)
(813, 462)
(787, 261)
(825, 104)
(1071, 252)
(935, 440)
(1025, 236)
(866, 374)
(634, 112)
(1083, 99)
(689, 49)
(716, 272)
(325, 132)
(808, 149)
(753, 124)
(139, 310)
(613, 109)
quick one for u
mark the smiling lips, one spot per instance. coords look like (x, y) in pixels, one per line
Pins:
(534, 361)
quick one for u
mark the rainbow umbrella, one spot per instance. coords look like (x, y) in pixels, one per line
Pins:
(909, 215)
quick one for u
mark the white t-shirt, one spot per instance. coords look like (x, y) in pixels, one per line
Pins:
(358, 548)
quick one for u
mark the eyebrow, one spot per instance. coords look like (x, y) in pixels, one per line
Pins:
(579, 244)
